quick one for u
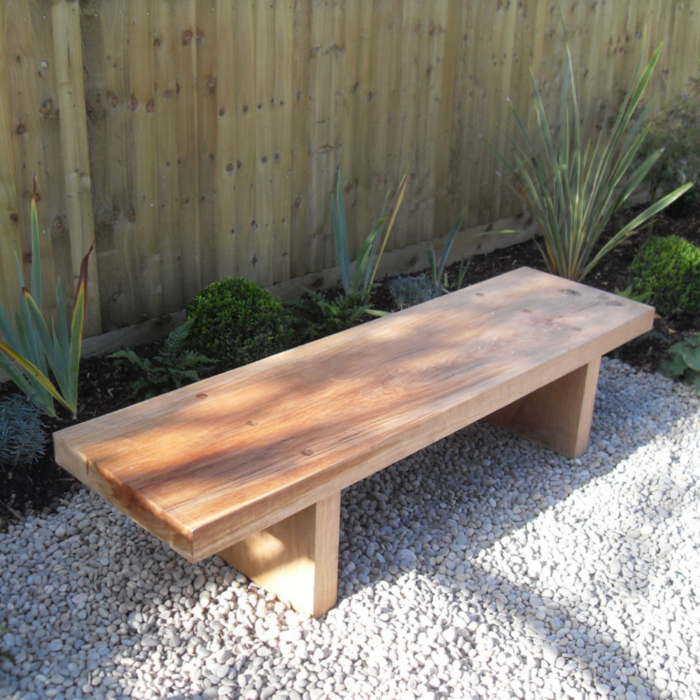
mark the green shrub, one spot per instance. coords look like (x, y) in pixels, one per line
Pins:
(23, 436)
(236, 322)
(666, 273)
(171, 368)
(314, 316)
(684, 362)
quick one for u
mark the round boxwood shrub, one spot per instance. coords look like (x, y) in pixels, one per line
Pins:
(236, 322)
(666, 273)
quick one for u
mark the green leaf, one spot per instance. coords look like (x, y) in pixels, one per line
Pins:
(35, 373)
(36, 250)
(340, 231)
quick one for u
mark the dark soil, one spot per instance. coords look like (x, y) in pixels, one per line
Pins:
(102, 390)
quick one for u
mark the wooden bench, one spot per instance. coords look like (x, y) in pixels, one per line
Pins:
(250, 464)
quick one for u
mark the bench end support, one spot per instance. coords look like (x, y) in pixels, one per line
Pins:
(297, 558)
(558, 415)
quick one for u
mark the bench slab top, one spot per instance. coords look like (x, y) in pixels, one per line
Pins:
(212, 463)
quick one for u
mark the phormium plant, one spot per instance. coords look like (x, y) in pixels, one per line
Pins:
(573, 186)
(407, 290)
(438, 276)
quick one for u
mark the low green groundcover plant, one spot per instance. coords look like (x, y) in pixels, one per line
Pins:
(666, 274)
(23, 436)
(172, 367)
(684, 362)
(236, 322)
(411, 290)
(314, 316)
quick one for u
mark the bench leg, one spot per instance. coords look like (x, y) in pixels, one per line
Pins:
(297, 558)
(558, 415)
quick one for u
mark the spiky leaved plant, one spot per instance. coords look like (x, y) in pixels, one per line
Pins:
(573, 187)
(31, 354)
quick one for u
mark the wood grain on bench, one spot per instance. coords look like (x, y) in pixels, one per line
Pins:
(214, 463)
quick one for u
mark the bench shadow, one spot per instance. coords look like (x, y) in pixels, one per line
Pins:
(499, 483)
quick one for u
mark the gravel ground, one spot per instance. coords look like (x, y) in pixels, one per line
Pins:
(481, 567)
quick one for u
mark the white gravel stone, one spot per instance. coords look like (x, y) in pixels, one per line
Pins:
(481, 567)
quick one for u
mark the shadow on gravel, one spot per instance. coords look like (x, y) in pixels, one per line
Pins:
(392, 507)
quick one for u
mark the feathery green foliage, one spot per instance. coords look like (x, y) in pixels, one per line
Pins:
(313, 316)
(676, 130)
(172, 367)
(407, 291)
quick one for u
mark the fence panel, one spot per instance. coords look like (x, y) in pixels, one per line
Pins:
(201, 139)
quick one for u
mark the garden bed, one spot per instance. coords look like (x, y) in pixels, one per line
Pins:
(103, 390)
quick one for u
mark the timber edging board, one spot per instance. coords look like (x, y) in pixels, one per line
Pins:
(214, 463)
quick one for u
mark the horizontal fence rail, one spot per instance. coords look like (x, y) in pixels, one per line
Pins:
(194, 140)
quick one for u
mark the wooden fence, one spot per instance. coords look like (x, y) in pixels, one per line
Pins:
(194, 140)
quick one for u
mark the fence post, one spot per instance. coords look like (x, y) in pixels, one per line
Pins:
(74, 141)
(9, 226)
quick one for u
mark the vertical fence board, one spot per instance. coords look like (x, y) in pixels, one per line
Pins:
(184, 55)
(146, 224)
(229, 228)
(165, 116)
(23, 34)
(246, 118)
(261, 252)
(322, 137)
(208, 40)
(300, 138)
(74, 140)
(282, 132)
(358, 177)
(10, 232)
(116, 253)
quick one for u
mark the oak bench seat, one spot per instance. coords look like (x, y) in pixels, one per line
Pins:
(250, 464)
